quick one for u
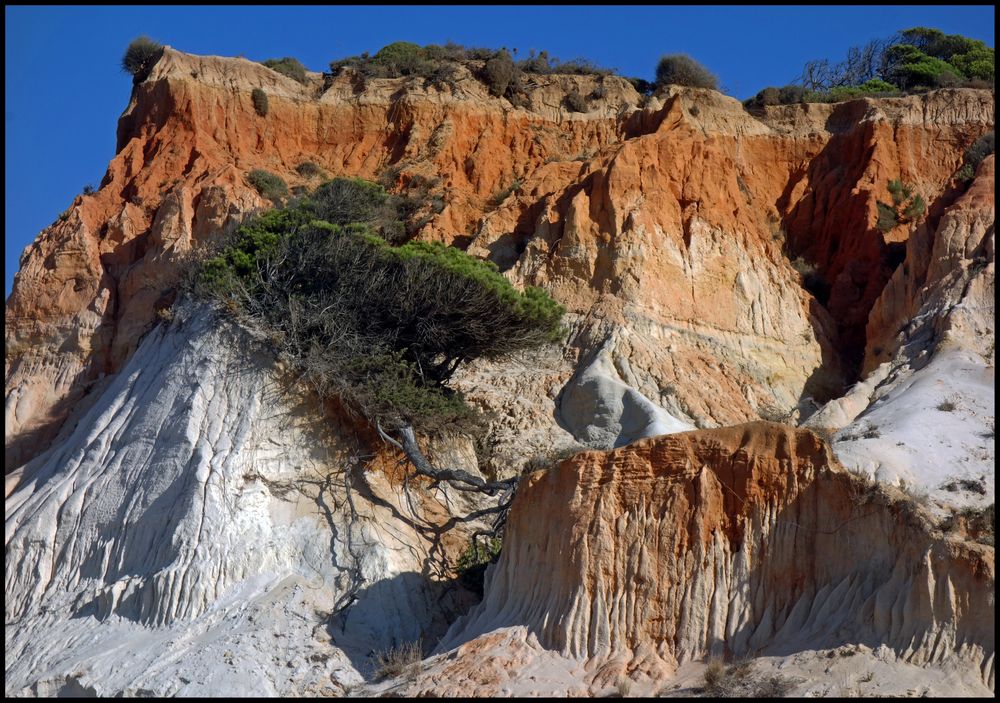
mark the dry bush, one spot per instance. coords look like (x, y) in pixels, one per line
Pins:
(402, 660)
(288, 66)
(739, 680)
(140, 57)
(978, 523)
(575, 102)
(548, 459)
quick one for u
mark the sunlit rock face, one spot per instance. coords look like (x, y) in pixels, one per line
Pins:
(181, 519)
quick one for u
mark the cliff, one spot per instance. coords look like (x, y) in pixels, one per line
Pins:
(748, 540)
(182, 519)
(667, 230)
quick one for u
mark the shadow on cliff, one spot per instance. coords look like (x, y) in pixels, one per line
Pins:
(402, 609)
(847, 262)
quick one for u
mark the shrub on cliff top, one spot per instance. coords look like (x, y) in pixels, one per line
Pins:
(915, 59)
(499, 72)
(681, 69)
(140, 57)
(288, 66)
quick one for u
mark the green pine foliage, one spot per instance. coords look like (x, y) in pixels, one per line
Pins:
(974, 155)
(907, 205)
(915, 60)
(381, 327)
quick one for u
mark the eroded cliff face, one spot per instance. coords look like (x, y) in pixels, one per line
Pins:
(170, 490)
(747, 540)
(924, 414)
(203, 531)
(667, 230)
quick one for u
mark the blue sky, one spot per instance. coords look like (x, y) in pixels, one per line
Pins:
(65, 91)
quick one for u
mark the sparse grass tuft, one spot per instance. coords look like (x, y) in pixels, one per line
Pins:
(872, 433)
(398, 661)
(946, 407)
(547, 460)
(739, 680)
(624, 687)
(978, 523)
(499, 197)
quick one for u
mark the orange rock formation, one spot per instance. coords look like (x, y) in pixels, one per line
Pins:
(739, 541)
(661, 228)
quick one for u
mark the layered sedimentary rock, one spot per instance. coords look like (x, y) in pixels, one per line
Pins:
(748, 540)
(666, 230)
(180, 522)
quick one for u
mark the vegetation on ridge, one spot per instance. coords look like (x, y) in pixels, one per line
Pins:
(681, 69)
(914, 60)
(288, 66)
(497, 69)
(140, 57)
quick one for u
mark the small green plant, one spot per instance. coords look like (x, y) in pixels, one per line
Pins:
(681, 69)
(500, 196)
(268, 185)
(946, 406)
(887, 217)
(974, 155)
(260, 104)
(88, 189)
(140, 57)
(471, 566)
(403, 659)
(479, 553)
(288, 66)
(907, 206)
